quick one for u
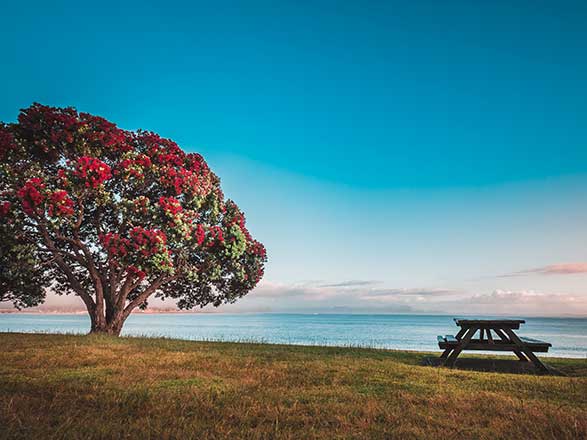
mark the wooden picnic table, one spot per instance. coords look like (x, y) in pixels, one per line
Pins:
(505, 340)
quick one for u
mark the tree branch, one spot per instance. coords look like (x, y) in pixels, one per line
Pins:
(146, 294)
(89, 259)
(73, 281)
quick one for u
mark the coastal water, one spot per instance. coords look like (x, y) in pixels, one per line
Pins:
(568, 336)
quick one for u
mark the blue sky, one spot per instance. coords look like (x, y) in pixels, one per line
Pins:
(393, 156)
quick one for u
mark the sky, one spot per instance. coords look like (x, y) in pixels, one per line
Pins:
(394, 157)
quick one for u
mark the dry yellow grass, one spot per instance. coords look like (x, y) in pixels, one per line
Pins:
(54, 386)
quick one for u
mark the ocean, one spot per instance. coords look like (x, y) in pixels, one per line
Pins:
(568, 336)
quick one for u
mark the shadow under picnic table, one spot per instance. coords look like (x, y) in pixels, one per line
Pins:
(492, 364)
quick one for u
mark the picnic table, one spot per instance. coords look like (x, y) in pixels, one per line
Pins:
(505, 340)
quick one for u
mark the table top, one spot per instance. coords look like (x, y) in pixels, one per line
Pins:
(489, 322)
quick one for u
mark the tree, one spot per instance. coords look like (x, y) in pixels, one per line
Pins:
(117, 217)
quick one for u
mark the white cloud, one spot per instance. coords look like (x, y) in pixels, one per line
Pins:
(363, 297)
(352, 283)
(384, 294)
(525, 302)
(320, 296)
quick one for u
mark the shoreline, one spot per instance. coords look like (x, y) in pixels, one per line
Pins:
(476, 354)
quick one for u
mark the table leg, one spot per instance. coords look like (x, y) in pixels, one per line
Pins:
(445, 353)
(451, 359)
(489, 337)
(521, 356)
(504, 337)
(525, 350)
(499, 332)
(461, 332)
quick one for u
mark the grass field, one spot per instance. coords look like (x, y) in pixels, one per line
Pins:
(54, 386)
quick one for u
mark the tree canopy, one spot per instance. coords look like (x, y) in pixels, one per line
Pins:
(115, 217)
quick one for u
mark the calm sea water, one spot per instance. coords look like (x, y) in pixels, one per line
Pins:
(402, 332)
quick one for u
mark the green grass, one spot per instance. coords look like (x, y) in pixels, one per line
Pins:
(57, 386)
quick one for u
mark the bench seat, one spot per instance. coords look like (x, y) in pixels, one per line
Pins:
(534, 341)
(447, 339)
(535, 345)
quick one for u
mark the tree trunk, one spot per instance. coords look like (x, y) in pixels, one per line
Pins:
(106, 330)
(109, 324)
(112, 329)
(109, 311)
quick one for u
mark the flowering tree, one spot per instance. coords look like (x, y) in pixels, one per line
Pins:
(116, 217)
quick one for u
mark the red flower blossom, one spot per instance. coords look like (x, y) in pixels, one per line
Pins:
(135, 166)
(200, 235)
(49, 129)
(147, 241)
(170, 177)
(196, 163)
(215, 236)
(60, 204)
(31, 195)
(115, 244)
(101, 132)
(258, 249)
(170, 205)
(93, 171)
(162, 151)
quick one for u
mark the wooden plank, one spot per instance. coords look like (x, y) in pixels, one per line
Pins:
(490, 321)
(534, 341)
(473, 346)
(484, 346)
(509, 341)
(451, 339)
(511, 323)
(445, 344)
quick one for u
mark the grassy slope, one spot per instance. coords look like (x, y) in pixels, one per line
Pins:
(93, 387)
